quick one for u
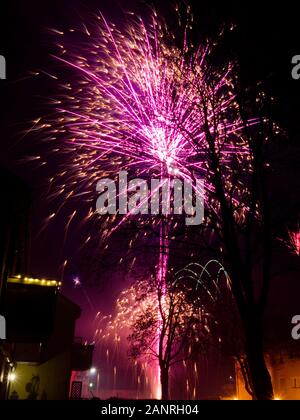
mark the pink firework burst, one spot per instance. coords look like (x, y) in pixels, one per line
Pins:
(294, 241)
(134, 103)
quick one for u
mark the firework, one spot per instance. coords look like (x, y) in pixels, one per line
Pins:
(133, 101)
(141, 301)
(294, 241)
(140, 311)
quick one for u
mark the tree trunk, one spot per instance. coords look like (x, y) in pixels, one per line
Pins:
(260, 377)
(164, 380)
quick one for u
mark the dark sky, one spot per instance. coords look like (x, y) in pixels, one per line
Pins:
(266, 38)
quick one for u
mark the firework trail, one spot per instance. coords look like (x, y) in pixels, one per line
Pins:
(293, 241)
(78, 284)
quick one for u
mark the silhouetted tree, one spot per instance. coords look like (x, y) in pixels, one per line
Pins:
(233, 146)
(169, 326)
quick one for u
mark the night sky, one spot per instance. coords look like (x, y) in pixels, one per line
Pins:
(264, 42)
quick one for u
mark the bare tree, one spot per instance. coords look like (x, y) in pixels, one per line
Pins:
(235, 144)
(170, 326)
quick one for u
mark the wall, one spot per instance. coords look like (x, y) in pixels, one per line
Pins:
(287, 378)
(49, 380)
(285, 374)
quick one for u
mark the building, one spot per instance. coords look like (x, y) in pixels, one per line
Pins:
(284, 368)
(84, 378)
(40, 336)
(39, 353)
(285, 371)
(15, 214)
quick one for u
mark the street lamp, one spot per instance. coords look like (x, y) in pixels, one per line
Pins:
(93, 371)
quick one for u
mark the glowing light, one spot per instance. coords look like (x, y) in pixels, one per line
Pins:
(12, 377)
(76, 281)
(31, 281)
(93, 371)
